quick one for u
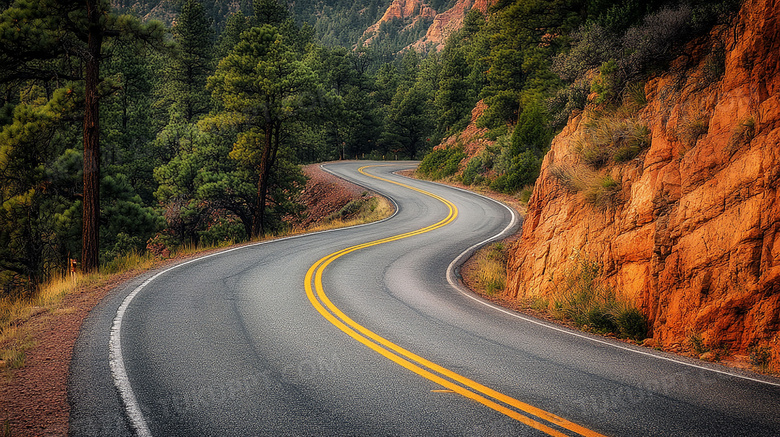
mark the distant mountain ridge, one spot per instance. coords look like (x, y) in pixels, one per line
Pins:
(405, 19)
(167, 10)
(410, 13)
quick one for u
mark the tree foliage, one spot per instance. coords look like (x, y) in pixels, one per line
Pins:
(262, 87)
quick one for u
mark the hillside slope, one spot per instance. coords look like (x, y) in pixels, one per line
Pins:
(693, 233)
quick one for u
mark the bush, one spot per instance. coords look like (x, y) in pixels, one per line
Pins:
(692, 128)
(621, 15)
(623, 59)
(566, 101)
(599, 190)
(531, 131)
(441, 163)
(631, 323)
(604, 193)
(223, 230)
(696, 342)
(760, 356)
(519, 171)
(634, 98)
(591, 46)
(605, 83)
(652, 44)
(502, 106)
(473, 172)
(124, 245)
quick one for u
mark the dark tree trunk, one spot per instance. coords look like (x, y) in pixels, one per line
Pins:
(262, 183)
(91, 204)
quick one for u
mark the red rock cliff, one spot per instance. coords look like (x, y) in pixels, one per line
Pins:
(695, 242)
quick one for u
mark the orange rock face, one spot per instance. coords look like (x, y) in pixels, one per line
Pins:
(695, 239)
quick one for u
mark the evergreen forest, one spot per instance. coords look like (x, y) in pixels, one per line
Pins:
(122, 131)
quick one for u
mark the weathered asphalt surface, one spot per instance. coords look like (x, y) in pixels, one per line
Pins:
(231, 345)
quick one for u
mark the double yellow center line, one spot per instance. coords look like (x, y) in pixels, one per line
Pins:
(527, 414)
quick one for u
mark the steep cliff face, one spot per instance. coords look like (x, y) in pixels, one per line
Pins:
(694, 238)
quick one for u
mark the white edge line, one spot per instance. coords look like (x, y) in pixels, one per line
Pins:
(115, 358)
(455, 283)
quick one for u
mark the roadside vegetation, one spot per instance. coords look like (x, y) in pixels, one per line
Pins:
(564, 64)
(581, 297)
(366, 209)
(489, 269)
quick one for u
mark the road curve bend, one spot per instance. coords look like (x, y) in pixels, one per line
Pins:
(365, 331)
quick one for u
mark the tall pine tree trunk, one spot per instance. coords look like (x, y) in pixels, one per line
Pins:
(91, 203)
(262, 183)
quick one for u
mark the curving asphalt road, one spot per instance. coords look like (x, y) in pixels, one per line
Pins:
(362, 331)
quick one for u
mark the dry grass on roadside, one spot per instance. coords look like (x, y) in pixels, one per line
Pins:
(583, 298)
(14, 313)
(490, 268)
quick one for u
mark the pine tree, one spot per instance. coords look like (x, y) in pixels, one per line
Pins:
(231, 35)
(193, 62)
(262, 86)
(270, 12)
(62, 39)
(28, 148)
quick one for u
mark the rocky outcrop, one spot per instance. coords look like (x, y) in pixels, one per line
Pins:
(472, 138)
(694, 237)
(444, 24)
(448, 22)
(407, 11)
